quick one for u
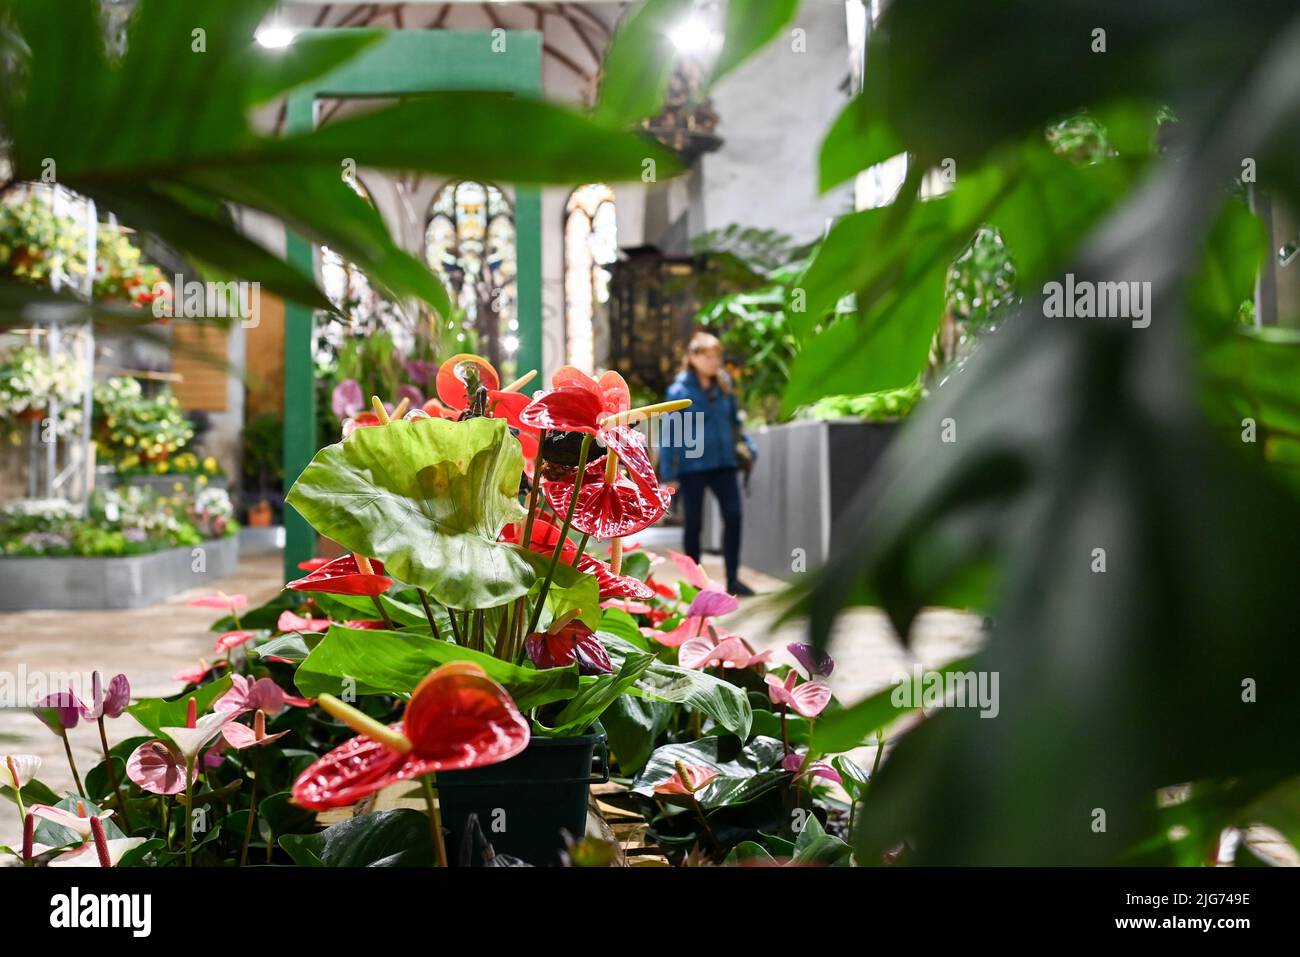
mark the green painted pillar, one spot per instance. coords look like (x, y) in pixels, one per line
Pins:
(404, 62)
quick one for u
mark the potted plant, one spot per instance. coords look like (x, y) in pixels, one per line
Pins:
(433, 501)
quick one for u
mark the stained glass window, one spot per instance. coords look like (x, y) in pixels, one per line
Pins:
(590, 245)
(469, 240)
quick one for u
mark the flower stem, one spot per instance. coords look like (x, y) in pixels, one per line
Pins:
(428, 612)
(112, 778)
(382, 613)
(564, 534)
(67, 747)
(527, 540)
(455, 628)
(252, 808)
(435, 819)
(189, 812)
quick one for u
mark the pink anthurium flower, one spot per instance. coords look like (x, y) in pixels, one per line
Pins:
(719, 647)
(231, 640)
(18, 770)
(77, 822)
(92, 854)
(191, 740)
(808, 699)
(631, 607)
(794, 763)
(457, 718)
(240, 736)
(59, 711)
(691, 571)
(687, 779)
(288, 621)
(233, 603)
(107, 702)
(157, 767)
(245, 694)
(710, 604)
(193, 676)
(815, 663)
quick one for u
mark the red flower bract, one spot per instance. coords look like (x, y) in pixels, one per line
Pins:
(574, 642)
(344, 577)
(457, 718)
(607, 509)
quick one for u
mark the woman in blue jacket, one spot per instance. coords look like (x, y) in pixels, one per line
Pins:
(700, 454)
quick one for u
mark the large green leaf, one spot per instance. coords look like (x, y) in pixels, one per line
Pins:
(586, 707)
(743, 773)
(394, 662)
(158, 713)
(750, 25)
(428, 498)
(849, 728)
(395, 838)
(638, 62)
(723, 702)
(633, 725)
(163, 149)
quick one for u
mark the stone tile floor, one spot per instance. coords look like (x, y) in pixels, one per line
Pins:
(151, 644)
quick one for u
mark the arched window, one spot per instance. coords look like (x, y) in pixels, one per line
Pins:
(590, 245)
(343, 283)
(469, 239)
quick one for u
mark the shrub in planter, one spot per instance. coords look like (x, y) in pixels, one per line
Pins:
(137, 432)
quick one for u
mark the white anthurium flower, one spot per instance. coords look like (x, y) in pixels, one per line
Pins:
(190, 741)
(88, 855)
(70, 820)
(18, 770)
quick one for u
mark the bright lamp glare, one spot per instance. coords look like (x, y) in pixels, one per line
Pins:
(692, 36)
(274, 38)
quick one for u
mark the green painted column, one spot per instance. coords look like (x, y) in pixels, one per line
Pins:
(404, 62)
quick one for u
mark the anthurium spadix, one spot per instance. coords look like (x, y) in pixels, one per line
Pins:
(428, 498)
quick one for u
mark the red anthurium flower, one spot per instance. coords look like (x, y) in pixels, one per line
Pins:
(453, 375)
(687, 779)
(457, 718)
(662, 590)
(367, 625)
(545, 536)
(343, 576)
(288, 621)
(607, 509)
(808, 699)
(572, 641)
(311, 564)
(613, 585)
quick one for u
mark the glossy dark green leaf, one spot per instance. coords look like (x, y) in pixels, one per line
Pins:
(393, 838)
(750, 26)
(394, 662)
(158, 713)
(597, 694)
(723, 702)
(633, 726)
(744, 773)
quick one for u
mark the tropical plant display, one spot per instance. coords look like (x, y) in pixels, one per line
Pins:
(140, 433)
(130, 520)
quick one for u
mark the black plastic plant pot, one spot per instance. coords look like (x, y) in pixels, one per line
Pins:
(526, 803)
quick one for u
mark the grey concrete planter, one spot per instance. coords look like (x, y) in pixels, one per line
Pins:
(807, 475)
(129, 581)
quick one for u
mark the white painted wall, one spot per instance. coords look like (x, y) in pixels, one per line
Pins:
(773, 113)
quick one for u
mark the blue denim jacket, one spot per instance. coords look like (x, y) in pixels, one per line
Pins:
(710, 447)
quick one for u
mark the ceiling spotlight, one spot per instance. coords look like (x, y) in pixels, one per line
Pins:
(693, 36)
(273, 36)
